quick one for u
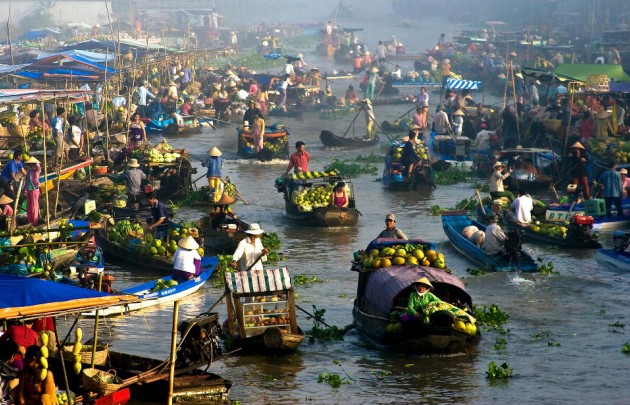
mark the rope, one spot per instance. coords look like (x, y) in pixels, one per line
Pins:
(380, 318)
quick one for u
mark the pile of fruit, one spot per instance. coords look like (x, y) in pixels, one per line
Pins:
(396, 149)
(155, 155)
(276, 145)
(164, 284)
(132, 236)
(109, 192)
(552, 229)
(314, 197)
(62, 398)
(402, 255)
(617, 151)
(43, 359)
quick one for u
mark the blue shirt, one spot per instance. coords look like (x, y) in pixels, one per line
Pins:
(11, 168)
(611, 179)
(214, 166)
(159, 211)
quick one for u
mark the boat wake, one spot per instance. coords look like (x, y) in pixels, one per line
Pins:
(520, 281)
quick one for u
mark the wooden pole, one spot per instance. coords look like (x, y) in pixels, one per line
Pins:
(104, 109)
(100, 283)
(171, 372)
(516, 112)
(60, 347)
(9, 34)
(46, 183)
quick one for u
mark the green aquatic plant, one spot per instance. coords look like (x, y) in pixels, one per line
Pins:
(301, 279)
(334, 380)
(476, 272)
(625, 348)
(491, 317)
(350, 169)
(371, 158)
(500, 344)
(451, 176)
(617, 325)
(496, 372)
(545, 268)
(322, 333)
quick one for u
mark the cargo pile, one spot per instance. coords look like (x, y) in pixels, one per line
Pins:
(131, 236)
(314, 197)
(555, 230)
(402, 255)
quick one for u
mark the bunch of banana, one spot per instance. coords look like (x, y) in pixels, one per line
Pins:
(76, 351)
(43, 359)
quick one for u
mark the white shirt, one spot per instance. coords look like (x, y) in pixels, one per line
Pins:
(288, 69)
(184, 260)
(178, 119)
(495, 239)
(119, 101)
(458, 123)
(246, 252)
(423, 99)
(75, 138)
(523, 207)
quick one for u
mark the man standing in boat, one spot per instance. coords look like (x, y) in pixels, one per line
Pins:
(613, 190)
(250, 253)
(370, 119)
(299, 160)
(390, 231)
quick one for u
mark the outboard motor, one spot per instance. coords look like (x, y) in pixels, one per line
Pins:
(621, 240)
(580, 226)
(200, 340)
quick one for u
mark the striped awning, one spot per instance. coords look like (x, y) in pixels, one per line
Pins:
(457, 84)
(258, 281)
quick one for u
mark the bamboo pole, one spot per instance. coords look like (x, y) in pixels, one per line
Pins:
(9, 34)
(100, 283)
(103, 108)
(46, 187)
(171, 373)
(516, 112)
(60, 347)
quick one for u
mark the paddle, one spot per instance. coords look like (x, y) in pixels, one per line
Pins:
(204, 119)
(354, 119)
(318, 319)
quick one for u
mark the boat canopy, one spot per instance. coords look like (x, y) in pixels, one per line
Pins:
(22, 297)
(582, 71)
(386, 283)
(458, 84)
(258, 281)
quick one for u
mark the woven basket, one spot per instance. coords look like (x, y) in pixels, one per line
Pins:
(100, 381)
(100, 357)
(4, 131)
(19, 130)
(552, 125)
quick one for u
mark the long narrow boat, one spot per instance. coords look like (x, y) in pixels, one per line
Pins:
(454, 223)
(168, 127)
(618, 256)
(261, 312)
(65, 173)
(383, 295)
(307, 197)
(150, 297)
(275, 145)
(331, 140)
(578, 235)
(155, 264)
(225, 238)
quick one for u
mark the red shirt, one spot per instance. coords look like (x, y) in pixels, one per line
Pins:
(22, 335)
(299, 161)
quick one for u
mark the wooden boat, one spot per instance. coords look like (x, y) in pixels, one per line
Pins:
(156, 264)
(275, 145)
(383, 295)
(306, 202)
(394, 172)
(453, 224)
(53, 177)
(261, 311)
(150, 297)
(167, 126)
(331, 140)
(594, 208)
(618, 256)
(578, 235)
(224, 238)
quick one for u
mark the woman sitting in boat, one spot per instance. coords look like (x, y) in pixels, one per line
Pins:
(351, 96)
(258, 132)
(339, 197)
(423, 303)
(33, 389)
(6, 214)
(35, 123)
(184, 260)
(409, 157)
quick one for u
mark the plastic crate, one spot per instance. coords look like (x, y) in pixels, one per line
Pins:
(595, 207)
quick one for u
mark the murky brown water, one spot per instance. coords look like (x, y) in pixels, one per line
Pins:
(573, 309)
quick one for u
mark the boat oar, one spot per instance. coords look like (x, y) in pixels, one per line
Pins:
(354, 119)
(207, 121)
(318, 319)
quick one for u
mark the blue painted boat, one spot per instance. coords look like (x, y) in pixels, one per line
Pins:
(594, 208)
(619, 259)
(454, 223)
(168, 127)
(149, 298)
(450, 148)
(394, 171)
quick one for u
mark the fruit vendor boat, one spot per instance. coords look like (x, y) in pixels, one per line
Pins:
(383, 295)
(618, 256)
(168, 127)
(157, 292)
(307, 199)
(331, 140)
(275, 145)
(53, 177)
(261, 311)
(518, 259)
(595, 208)
(394, 172)
(577, 234)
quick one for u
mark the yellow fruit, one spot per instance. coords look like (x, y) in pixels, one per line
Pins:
(426, 262)
(412, 261)
(439, 263)
(77, 368)
(43, 373)
(401, 253)
(398, 261)
(471, 329)
(374, 252)
(79, 334)
(418, 254)
(157, 243)
(43, 361)
(431, 255)
(77, 348)
(148, 238)
(200, 251)
(377, 263)
(77, 358)
(386, 262)
(459, 325)
(44, 339)
(368, 263)
(43, 351)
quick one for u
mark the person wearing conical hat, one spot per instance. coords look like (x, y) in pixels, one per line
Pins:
(419, 299)
(577, 163)
(32, 189)
(250, 252)
(214, 163)
(496, 187)
(7, 212)
(372, 79)
(172, 94)
(602, 126)
(370, 119)
(133, 179)
(184, 265)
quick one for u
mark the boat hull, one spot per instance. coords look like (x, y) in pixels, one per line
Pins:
(571, 240)
(453, 224)
(621, 260)
(273, 340)
(275, 136)
(154, 263)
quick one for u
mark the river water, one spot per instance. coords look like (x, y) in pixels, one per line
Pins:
(560, 342)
